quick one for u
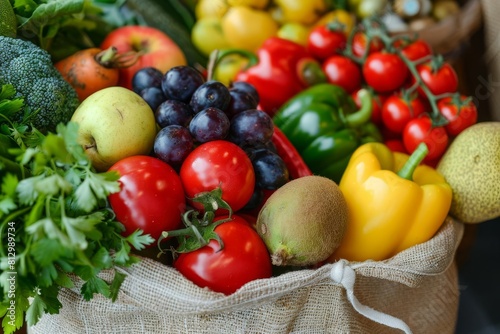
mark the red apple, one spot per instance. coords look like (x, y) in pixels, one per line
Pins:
(156, 49)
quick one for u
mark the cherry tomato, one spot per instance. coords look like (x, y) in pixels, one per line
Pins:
(377, 102)
(396, 145)
(359, 41)
(417, 50)
(439, 81)
(219, 163)
(385, 72)
(324, 41)
(243, 258)
(344, 72)
(397, 111)
(420, 130)
(460, 114)
(151, 196)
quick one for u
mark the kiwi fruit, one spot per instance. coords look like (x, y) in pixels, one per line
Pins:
(303, 222)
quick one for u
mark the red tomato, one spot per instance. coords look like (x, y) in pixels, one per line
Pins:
(243, 258)
(219, 163)
(324, 42)
(151, 196)
(396, 145)
(385, 72)
(377, 102)
(420, 130)
(417, 50)
(397, 111)
(460, 114)
(359, 44)
(344, 72)
(439, 81)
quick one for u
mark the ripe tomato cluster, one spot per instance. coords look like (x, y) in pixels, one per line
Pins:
(415, 92)
(154, 197)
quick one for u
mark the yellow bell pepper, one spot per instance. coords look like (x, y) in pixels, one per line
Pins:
(394, 203)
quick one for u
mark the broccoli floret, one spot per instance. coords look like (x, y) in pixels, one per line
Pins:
(49, 98)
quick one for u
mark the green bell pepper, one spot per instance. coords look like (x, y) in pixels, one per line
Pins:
(324, 125)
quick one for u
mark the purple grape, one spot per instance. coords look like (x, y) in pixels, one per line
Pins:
(246, 87)
(270, 169)
(251, 128)
(173, 144)
(210, 94)
(240, 101)
(173, 112)
(153, 96)
(209, 124)
(180, 82)
(146, 77)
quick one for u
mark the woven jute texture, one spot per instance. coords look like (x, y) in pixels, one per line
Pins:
(491, 18)
(418, 286)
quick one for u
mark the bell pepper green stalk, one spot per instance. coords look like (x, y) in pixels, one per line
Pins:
(324, 125)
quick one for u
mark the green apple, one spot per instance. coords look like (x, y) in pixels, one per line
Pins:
(114, 123)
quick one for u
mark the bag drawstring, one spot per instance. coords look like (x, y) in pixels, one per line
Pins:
(343, 274)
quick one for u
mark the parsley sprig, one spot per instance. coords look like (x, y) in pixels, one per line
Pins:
(55, 224)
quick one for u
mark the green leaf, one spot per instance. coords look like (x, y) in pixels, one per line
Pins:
(69, 133)
(63, 280)
(84, 197)
(52, 185)
(54, 146)
(35, 310)
(53, 9)
(102, 259)
(122, 255)
(116, 284)
(47, 275)
(95, 285)
(47, 251)
(7, 204)
(139, 241)
(25, 190)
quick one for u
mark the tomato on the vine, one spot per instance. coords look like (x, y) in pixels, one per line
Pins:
(243, 258)
(385, 72)
(460, 113)
(420, 130)
(398, 110)
(440, 79)
(151, 196)
(359, 44)
(342, 71)
(324, 41)
(223, 164)
(416, 50)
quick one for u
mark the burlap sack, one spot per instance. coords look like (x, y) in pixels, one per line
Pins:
(416, 291)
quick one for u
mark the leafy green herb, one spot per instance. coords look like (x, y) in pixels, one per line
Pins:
(55, 223)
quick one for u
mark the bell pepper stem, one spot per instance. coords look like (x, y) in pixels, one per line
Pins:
(253, 59)
(364, 114)
(406, 172)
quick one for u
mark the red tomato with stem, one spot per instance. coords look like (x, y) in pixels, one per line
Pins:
(223, 164)
(151, 197)
(385, 72)
(440, 79)
(325, 41)
(243, 258)
(416, 50)
(460, 112)
(398, 110)
(342, 71)
(420, 130)
(359, 44)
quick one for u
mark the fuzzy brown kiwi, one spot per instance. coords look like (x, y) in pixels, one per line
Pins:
(304, 221)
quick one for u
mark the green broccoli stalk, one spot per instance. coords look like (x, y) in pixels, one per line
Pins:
(49, 99)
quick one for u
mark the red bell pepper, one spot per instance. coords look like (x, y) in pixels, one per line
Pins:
(280, 69)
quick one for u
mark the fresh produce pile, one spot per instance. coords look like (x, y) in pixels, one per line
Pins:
(127, 146)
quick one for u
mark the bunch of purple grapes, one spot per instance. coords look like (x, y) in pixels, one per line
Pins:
(191, 110)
